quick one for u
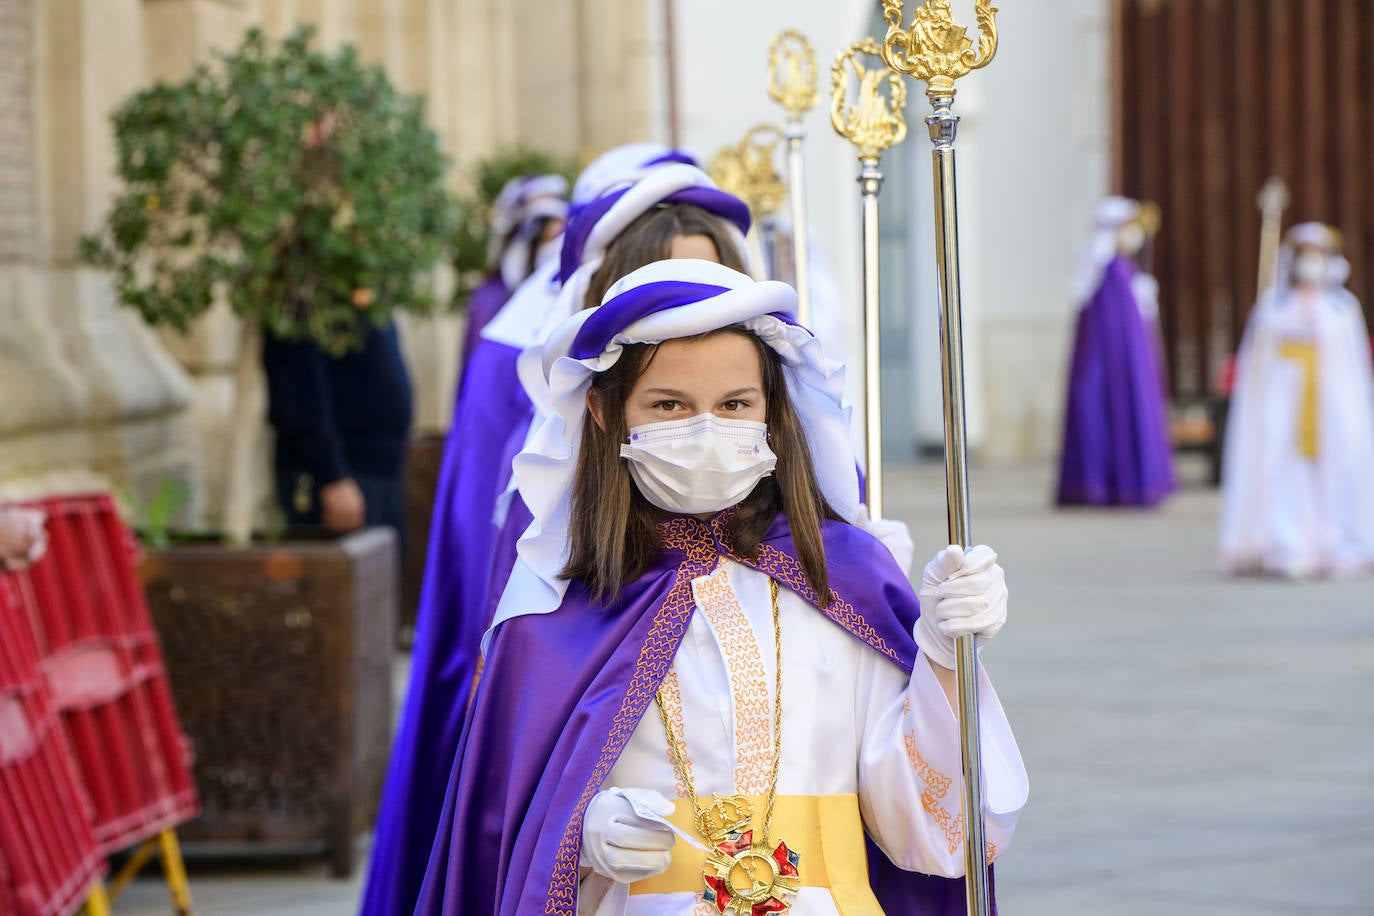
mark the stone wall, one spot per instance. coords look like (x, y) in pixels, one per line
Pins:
(89, 396)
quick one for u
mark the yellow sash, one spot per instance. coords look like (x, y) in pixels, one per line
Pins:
(1304, 353)
(824, 830)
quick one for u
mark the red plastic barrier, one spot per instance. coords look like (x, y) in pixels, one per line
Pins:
(49, 857)
(103, 667)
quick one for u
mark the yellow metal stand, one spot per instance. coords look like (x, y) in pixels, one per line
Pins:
(97, 901)
(173, 872)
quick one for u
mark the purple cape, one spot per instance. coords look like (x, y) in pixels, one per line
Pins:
(561, 694)
(489, 426)
(485, 301)
(1116, 434)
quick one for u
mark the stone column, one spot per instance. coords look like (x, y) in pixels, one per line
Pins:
(91, 398)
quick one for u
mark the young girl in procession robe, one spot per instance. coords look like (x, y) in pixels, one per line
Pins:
(691, 628)
(609, 236)
(1298, 472)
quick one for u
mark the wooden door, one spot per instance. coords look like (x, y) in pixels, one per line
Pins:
(1210, 98)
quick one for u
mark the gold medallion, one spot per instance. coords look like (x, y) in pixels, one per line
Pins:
(747, 880)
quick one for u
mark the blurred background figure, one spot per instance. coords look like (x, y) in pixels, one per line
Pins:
(342, 424)
(1116, 438)
(526, 227)
(1298, 477)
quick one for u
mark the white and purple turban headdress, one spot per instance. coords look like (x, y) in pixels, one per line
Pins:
(663, 301)
(624, 163)
(517, 218)
(593, 227)
(525, 318)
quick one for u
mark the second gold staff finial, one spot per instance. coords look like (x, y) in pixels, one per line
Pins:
(792, 80)
(792, 73)
(874, 123)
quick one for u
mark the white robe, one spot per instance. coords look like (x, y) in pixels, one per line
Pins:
(1282, 511)
(853, 722)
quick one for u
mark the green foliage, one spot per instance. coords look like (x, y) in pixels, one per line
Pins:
(298, 185)
(471, 232)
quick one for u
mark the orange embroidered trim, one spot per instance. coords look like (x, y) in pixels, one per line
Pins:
(750, 697)
(670, 694)
(655, 658)
(937, 787)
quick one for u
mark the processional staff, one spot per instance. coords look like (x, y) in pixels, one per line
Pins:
(1272, 200)
(874, 123)
(792, 84)
(1151, 221)
(936, 50)
(727, 170)
(763, 189)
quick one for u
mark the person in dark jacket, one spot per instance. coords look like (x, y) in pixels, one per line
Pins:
(342, 425)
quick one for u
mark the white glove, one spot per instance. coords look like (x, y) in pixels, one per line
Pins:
(894, 535)
(960, 594)
(624, 846)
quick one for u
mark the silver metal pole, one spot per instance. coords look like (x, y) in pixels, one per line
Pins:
(938, 51)
(943, 125)
(871, 181)
(796, 178)
(768, 242)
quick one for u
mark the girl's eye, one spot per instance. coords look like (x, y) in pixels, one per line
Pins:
(666, 405)
(734, 406)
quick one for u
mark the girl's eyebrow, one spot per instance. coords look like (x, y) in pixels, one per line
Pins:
(683, 396)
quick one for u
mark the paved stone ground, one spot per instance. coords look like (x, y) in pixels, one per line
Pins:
(1196, 744)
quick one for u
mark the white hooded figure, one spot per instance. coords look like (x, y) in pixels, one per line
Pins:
(1298, 471)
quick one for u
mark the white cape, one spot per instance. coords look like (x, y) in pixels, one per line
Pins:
(1284, 512)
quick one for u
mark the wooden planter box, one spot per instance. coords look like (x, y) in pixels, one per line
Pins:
(280, 659)
(423, 461)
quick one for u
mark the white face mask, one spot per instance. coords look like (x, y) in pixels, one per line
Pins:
(698, 465)
(1310, 269)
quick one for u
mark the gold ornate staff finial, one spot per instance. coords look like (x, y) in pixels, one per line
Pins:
(740, 169)
(936, 49)
(1150, 218)
(792, 73)
(792, 77)
(875, 122)
(763, 187)
(726, 169)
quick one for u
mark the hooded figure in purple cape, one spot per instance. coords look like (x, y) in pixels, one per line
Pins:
(1116, 435)
(568, 796)
(526, 226)
(491, 418)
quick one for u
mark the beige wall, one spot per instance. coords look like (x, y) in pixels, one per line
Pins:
(88, 396)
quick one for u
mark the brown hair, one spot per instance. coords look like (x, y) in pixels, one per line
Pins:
(650, 237)
(612, 534)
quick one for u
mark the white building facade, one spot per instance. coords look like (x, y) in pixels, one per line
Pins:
(1033, 158)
